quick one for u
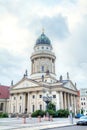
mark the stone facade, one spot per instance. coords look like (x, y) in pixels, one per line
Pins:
(83, 100)
(27, 95)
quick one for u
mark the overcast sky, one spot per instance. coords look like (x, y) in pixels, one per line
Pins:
(65, 23)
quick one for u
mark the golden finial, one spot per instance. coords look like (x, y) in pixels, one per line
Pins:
(42, 30)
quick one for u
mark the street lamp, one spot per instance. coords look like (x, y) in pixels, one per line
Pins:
(47, 99)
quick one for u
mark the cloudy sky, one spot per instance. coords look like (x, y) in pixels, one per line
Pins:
(65, 23)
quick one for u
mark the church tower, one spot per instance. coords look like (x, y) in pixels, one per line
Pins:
(42, 59)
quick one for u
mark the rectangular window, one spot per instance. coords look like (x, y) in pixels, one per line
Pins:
(33, 96)
(33, 108)
(14, 98)
(40, 107)
(54, 96)
(1, 106)
(20, 109)
(42, 68)
(13, 109)
(20, 97)
(82, 103)
(40, 96)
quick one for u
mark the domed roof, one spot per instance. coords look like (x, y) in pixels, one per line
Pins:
(43, 39)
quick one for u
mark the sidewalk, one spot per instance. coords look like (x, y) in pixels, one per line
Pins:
(33, 124)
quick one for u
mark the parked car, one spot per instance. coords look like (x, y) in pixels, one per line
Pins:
(82, 120)
(78, 115)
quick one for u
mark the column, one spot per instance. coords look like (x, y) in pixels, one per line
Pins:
(74, 105)
(28, 103)
(61, 100)
(65, 105)
(68, 100)
(72, 102)
(23, 103)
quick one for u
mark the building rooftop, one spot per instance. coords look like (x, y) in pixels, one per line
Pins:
(43, 39)
(4, 92)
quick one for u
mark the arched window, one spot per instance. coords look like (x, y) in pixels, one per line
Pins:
(33, 108)
(20, 109)
(13, 109)
(42, 68)
(40, 107)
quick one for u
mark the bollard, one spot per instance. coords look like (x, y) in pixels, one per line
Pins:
(71, 118)
(17, 116)
(39, 118)
(24, 120)
(44, 118)
(30, 116)
(51, 118)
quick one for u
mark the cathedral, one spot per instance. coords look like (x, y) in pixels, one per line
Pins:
(28, 94)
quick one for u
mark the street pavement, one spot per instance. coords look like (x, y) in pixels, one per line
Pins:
(33, 123)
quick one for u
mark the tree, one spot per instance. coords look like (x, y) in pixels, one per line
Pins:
(51, 106)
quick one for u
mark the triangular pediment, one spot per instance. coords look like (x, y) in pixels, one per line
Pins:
(25, 83)
(70, 85)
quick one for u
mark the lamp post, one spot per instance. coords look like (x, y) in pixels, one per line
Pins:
(47, 99)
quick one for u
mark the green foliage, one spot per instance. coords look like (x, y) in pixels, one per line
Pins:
(51, 106)
(3, 115)
(62, 113)
(58, 113)
(51, 112)
(38, 113)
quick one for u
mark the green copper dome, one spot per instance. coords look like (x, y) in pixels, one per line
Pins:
(43, 39)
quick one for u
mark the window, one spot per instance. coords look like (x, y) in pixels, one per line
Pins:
(20, 109)
(33, 108)
(45, 80)
(42, 68)
(40, 96)
(40, 107)
(14, 98)
(1, 106)
(20, 97)
(33, 96)
(82, 103)
(13, 109)
(54, 96)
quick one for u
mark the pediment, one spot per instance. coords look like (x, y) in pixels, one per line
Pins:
(27, 83)
(70, 85)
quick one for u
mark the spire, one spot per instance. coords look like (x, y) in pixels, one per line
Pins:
(12, 83)
(67, 76)
(25, 74)
(61, 78)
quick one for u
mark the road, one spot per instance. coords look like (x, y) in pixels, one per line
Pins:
(70, 128)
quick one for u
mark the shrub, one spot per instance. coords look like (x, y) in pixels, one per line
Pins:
(3, 115)
(63, 113)
(38, 113)
(51, 106)
(51, 112)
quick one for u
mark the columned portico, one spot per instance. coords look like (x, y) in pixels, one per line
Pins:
(27, 94)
